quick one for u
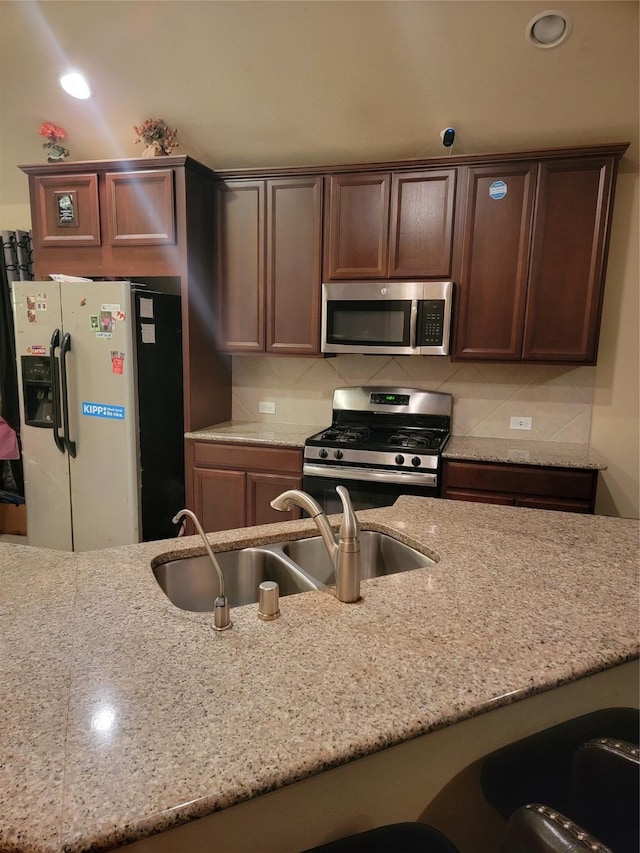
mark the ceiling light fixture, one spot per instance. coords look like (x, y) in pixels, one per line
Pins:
(548, 29)
(75, 85)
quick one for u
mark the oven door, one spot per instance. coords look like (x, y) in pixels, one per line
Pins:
(374, 491)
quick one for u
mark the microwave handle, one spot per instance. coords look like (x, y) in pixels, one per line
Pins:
(415, 317)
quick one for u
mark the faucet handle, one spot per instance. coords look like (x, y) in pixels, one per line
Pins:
(349, 529)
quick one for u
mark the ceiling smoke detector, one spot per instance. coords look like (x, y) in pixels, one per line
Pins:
(548, 29)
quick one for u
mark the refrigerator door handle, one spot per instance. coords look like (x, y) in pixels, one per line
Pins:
(64, 350)
(55, 383)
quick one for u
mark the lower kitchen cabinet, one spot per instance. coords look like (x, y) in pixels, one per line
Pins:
(232, 485)
(534, 486)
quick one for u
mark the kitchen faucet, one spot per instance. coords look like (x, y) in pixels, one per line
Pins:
(221, 609)
(345, 553)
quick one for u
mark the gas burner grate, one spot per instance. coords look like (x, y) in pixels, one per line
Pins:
(348, 435)
(406, 438)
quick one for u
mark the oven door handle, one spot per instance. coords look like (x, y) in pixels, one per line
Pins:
(369, 475)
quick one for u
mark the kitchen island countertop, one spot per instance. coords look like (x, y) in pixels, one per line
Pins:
(520, 452)
(123, 716)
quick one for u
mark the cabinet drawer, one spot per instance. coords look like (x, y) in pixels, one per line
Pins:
(521, 479)
(247, 458)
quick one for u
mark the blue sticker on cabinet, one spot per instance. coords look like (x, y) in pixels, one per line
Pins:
(498, 190)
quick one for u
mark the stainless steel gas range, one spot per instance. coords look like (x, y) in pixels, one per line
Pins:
(382, 443)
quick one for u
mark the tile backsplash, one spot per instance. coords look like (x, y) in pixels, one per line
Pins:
(486, 396)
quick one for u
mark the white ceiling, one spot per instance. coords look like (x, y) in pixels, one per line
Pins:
(292, 83)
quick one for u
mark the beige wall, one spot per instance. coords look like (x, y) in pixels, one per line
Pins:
(15, 217)
(614, 427)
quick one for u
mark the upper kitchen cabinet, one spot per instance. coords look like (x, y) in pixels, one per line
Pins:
(532, 262)
(150, 221)
(115, 217)
(268, 261)
(389, 225)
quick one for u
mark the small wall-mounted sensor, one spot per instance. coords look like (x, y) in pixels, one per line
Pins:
(448, 136)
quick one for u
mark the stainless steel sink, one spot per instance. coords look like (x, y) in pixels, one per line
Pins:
(192, 583)
(296, 566)
(380, 555)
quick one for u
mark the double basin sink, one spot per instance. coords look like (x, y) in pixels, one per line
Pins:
(296, 566)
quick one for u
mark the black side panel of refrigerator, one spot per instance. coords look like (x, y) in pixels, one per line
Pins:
(159, 355)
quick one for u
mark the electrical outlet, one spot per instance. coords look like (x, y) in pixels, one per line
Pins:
(267, 408)
(520, 423)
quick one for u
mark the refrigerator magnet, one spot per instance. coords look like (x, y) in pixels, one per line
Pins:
(95, 323)
(117, 362)
(106, 321)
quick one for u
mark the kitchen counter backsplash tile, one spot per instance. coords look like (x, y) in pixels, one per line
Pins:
(486, 396)
(131, 716)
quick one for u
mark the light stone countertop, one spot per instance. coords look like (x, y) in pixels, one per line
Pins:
(123, 716)
(257, 432)
(520, 452)
(552, 453)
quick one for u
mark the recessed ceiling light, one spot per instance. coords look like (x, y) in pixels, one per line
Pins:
(549, 29)
(75, 85)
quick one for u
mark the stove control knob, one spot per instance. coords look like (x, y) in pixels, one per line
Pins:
(323, 453)
(399, 459)
(416, 461)
(338, 454)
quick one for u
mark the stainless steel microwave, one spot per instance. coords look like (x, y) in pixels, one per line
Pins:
(387, 317)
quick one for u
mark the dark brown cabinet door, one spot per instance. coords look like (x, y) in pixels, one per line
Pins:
(494, 262)
(65, 210)
(357, 227)
(240, 265)
(219, 498)
(269, 237)
(535, 486)
(568, 260)
(261, 490)
(140, 208)
(233, 484)
(293, 265)
(421, 227)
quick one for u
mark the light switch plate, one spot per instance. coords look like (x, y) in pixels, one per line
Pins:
(267, 408)
(520, 423)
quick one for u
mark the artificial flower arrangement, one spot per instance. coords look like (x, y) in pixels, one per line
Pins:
(155, 133)
(53, 134)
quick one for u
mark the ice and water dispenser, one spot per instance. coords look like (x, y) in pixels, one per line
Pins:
(37, 388)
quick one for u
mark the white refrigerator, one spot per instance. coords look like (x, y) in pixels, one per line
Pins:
(100, 386)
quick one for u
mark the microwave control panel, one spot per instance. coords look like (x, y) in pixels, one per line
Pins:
(431, 323)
